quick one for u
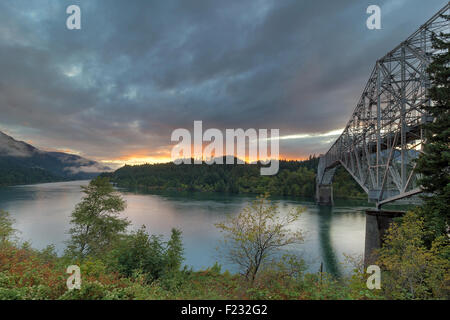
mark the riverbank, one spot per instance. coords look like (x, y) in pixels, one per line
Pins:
(27, 274)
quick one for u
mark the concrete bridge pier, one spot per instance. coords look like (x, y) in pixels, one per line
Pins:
(377, 223)
(324, 194)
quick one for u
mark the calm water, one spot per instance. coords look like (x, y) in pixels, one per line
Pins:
(42, 211)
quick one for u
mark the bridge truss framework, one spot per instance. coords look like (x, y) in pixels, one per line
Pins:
(384, 134)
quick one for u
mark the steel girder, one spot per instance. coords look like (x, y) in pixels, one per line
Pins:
(384, 134)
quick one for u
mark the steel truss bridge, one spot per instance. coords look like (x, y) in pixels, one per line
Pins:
(384, 134)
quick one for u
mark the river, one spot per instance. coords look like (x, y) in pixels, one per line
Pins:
(42, 215)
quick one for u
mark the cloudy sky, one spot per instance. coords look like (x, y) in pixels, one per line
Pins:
(116, 89)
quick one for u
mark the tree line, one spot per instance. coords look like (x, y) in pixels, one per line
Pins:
(295, 178)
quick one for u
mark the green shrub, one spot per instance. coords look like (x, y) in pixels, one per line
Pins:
(148, 255)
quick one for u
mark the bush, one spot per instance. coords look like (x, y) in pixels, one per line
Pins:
(410, 269)
(140, 253)
(7, 231)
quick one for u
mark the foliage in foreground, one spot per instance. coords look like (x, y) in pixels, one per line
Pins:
(127, 272)
(30, 274)
(257, 233)
(149, 256)
(6, 227)
(95, 221)
(410, 270)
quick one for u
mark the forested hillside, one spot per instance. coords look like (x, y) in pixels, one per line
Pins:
(22, 163)
(11, 174)
(295, 178)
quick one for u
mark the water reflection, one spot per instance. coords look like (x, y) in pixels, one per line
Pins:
(42, 215)
(325, 221)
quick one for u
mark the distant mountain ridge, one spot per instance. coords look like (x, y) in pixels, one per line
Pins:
(22, 163)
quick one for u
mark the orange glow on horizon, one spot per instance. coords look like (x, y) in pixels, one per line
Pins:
(136, 160)
(139, 159)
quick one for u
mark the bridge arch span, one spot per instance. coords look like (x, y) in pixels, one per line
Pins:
(385, 132)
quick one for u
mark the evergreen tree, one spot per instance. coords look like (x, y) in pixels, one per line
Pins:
(174, 252)
(95, 220)
(433, 164)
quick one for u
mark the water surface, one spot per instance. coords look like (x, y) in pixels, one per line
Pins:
(42, 214)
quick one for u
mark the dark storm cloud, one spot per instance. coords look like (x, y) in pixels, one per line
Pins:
(139, 69)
